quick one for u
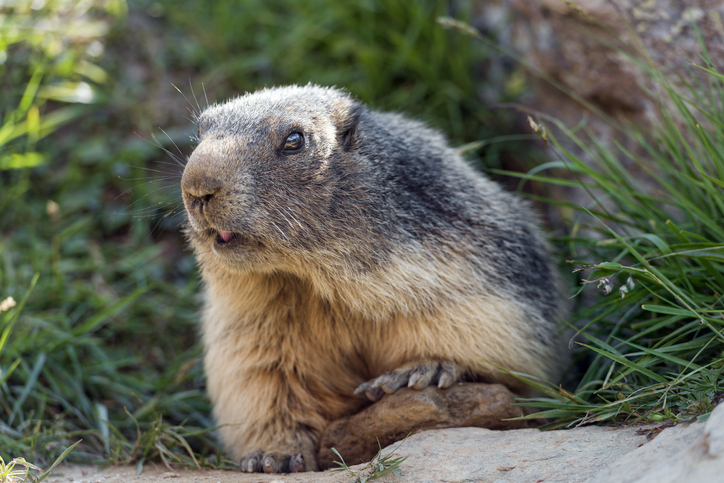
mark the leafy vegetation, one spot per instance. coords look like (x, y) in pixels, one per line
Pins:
(653, 246)
(378, 466)
(10, 472)
(390, 54)
(47, 53)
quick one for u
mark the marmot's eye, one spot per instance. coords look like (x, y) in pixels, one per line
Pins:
(294, 142)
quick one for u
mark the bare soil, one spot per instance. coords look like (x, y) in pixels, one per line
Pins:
(154, 473)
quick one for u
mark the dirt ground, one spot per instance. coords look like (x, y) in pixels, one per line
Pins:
(90, 474)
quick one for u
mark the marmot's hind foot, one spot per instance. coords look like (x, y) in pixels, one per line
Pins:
(259, 462)
(418, 376)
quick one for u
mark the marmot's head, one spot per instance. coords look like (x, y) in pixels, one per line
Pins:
(268, 174)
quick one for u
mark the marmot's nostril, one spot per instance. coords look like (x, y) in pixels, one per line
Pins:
(201, 192)
(203, 198)
(199, 182)
(200, 200)
(200, 197)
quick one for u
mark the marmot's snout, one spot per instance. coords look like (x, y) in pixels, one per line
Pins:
(205, 187)
(199, 190)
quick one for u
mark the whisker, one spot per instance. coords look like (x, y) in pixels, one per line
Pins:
(150, 211)
(179, 161)
(290, 213)
(192, 119)
(173, 142)
(187, 100)
(149, 194)
(175, 165)
(173, 156)
(194, 94)
(182, 222)
(166, 174)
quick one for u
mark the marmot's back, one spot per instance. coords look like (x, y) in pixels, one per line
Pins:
(341, 245)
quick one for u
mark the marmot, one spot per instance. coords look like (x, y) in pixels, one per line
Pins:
(346, 253)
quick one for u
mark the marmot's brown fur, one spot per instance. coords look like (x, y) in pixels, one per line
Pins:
(347, 253)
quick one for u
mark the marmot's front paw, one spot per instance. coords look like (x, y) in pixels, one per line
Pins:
(418, 376)
(257, 462)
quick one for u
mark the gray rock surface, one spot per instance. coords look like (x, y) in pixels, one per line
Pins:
(566, 40)
(714, 434)
(570, 42)
(482, 455)
(684, 453)
(693, 452)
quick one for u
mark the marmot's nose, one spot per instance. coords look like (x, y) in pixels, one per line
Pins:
(201, 179)
(203, 189)
(200, 188)
(203, 195)
(206, 177)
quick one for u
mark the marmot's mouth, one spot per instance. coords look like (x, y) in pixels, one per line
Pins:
(223, 238)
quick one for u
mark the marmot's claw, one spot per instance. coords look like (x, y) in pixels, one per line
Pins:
(296, 463)
(392, 381)
(448, 375)
(251, 462)
(422, 375)
(417, 377)
(259, 462)
(374, 393)
(362, 388)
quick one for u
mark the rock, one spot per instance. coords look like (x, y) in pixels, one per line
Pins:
(687, 452)
(474, 454)
(566, 41)
(714, 433)
(408, 411)
(599, 87)
(592, 454)
(153, 474)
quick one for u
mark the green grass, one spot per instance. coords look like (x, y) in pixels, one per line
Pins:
(47, 54)
(650, 256)
(377, 467)
(389, 53)
(19, 470)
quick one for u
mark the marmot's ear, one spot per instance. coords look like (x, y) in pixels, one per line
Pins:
(348, 128)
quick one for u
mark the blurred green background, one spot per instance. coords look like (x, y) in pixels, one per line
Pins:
(104, 347)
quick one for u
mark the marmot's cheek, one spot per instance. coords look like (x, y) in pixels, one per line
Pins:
(194, 221)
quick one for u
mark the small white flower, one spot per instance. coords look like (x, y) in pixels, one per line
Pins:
(7, 304)
(52, 208)
(606, 284)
